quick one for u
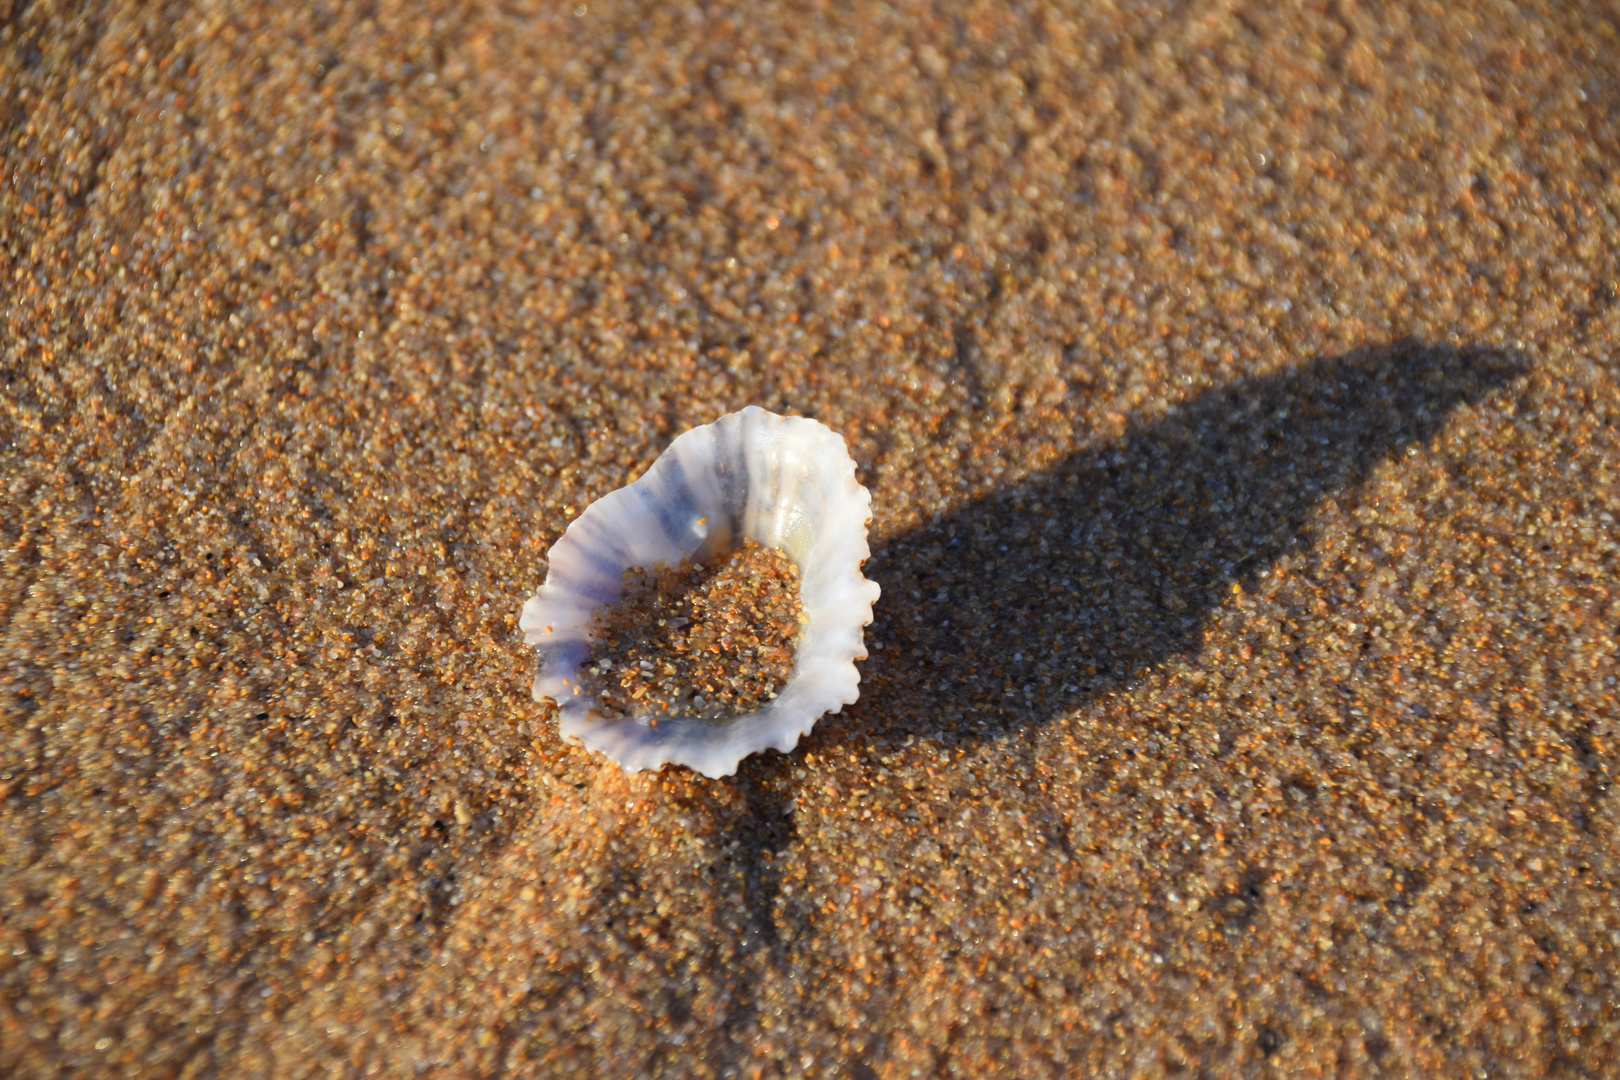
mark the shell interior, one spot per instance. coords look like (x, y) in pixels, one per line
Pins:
(784, 482)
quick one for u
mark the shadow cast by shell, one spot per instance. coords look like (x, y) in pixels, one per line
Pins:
(1016, 608)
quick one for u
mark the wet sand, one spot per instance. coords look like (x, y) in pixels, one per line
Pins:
(1236, 390)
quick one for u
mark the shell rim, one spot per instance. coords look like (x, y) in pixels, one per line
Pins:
(774, 722)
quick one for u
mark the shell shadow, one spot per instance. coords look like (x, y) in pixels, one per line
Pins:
(1017, 607)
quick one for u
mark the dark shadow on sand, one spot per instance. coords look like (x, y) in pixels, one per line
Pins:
(1017, 607)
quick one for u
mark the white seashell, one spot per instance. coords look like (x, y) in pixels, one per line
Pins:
(782, 481)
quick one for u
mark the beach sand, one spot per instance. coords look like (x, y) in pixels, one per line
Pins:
(1236, 389)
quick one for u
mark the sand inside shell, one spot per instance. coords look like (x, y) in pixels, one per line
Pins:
(710, 641)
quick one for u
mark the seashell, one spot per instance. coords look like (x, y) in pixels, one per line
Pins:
(783, 481)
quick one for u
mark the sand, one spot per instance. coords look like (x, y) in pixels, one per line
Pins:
(1236, 389)
(712, 639)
